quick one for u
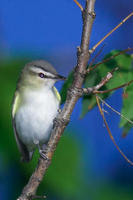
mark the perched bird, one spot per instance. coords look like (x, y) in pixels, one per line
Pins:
(35, 106)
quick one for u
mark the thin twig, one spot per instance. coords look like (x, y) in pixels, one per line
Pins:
(105, 79)
(101, 84)
(122, 22)
(116, 88)
(95, 57)
(110, 134)
(79, 5)
(107, 59)
(121, 115)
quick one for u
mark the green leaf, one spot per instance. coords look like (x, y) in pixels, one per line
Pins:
(124, 62)
(89, 101)
(123, 75)
(65, 87)
(126, 129)
(127, 107)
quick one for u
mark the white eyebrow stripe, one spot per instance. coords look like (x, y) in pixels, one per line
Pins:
(48, 74)
(36, 70)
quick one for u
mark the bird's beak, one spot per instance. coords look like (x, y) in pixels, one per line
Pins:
(59, 77)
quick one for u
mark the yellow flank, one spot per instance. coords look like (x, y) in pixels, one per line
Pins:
(16, 103)
(57, 94)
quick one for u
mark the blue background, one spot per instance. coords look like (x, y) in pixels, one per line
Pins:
(51, 30)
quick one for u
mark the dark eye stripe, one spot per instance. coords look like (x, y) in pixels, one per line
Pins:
(37, 66)
(41, 75)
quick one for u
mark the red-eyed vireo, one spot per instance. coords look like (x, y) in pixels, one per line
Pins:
(35, 106)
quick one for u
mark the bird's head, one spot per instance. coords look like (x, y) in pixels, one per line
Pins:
(38, 74)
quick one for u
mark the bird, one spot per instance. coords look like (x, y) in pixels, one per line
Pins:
(35, 105)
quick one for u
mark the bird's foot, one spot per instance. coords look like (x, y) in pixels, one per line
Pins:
(43, 154)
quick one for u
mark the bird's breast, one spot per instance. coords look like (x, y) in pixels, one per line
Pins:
(34, 119)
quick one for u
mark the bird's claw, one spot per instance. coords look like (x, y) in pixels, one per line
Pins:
(43, 154)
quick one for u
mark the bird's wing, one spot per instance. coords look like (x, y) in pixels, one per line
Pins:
(22, 148)
(57, 94)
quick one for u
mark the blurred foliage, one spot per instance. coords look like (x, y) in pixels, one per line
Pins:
(123, 75)
(106, 191)
(9, 71)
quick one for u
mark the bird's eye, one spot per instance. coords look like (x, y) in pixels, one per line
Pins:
(41, 75)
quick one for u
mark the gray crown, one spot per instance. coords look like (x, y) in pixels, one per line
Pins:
(42, 64)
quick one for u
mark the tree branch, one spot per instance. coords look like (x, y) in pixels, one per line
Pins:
(72, 96)
(114, 29)
(105, 79)
(116, 88)
(95, 57)
(118, 113)
(110, 134)
(79, 5)
(107, 59)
